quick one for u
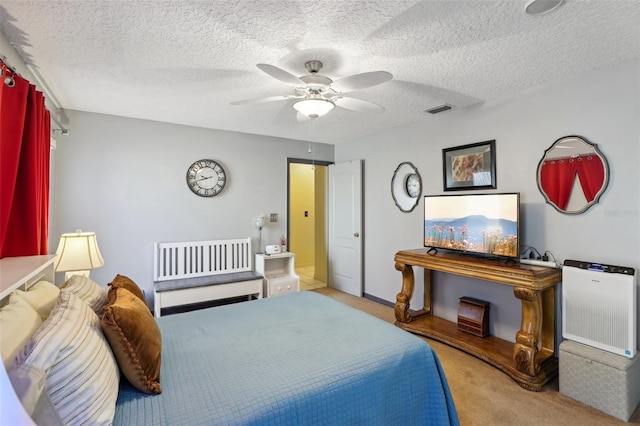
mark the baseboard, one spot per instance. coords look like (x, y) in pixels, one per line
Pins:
(379, 300)
(384, 302)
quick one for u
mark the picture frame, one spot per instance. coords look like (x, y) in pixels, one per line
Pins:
(469, 167)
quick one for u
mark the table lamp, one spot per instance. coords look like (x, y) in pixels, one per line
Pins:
(77, 254)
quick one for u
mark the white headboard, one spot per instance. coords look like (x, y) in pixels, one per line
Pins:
(19, 273)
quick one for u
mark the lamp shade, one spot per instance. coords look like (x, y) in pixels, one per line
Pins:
(261, 220)
(313, 108)
(78, 252)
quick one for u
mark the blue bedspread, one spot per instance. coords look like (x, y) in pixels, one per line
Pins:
(298, 359)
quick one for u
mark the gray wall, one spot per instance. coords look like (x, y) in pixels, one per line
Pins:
(125, 180)
(603, 106)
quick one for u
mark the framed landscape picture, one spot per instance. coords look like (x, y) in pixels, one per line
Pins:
(470, 166)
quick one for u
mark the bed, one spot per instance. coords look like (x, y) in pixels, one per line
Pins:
(301, 358)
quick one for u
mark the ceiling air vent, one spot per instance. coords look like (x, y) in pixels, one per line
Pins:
(439, 108)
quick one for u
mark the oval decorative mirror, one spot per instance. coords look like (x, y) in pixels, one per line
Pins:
(406, 187)
(573, 174)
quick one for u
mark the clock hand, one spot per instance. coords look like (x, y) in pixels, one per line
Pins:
(208, 177)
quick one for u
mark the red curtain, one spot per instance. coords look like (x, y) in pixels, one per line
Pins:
(591, 173)
(558, 175)
(25, 129)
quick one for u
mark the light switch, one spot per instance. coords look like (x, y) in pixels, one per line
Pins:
(273, 217)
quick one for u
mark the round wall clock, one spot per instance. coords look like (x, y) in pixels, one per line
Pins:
(206, 178)
(413, 184)
(406, 187)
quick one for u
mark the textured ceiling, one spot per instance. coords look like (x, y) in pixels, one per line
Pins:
(186, 61)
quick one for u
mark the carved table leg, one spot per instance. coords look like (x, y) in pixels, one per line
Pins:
(403, 298)
(528, 339)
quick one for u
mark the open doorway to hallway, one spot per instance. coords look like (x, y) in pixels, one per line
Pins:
(307, 220)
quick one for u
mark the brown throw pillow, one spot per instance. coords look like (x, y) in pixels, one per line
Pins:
(135, 339)
(126, 282)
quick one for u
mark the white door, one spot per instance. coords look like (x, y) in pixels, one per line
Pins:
(345, 227)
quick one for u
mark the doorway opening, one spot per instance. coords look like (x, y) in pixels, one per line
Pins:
(307, 220)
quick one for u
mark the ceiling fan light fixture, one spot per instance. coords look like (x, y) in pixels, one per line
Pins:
(313, 108)
(540, 7)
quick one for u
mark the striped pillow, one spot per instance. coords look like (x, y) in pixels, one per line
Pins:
(67, 372)
(88, 290)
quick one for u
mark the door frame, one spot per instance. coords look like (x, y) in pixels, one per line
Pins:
(292, 160)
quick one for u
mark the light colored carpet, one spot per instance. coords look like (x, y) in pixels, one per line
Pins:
(484, 395)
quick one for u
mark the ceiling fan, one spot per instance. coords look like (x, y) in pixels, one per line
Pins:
(317, 94)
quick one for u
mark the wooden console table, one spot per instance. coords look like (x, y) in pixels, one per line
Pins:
(531, 360)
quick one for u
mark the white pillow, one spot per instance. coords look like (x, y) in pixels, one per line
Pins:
(42, 296)
(88, 290)
(67, 373)
(18, 322)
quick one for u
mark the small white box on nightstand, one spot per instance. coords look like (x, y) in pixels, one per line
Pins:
(272, 249)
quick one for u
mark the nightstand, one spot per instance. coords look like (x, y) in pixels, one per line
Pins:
(279, 273)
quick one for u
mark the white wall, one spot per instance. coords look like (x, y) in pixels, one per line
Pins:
(125, 180)
(602, 106)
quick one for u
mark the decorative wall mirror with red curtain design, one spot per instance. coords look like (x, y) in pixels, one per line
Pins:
(573, 174)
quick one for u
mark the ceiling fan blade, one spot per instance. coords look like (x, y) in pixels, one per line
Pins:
(360, 81)
(357, 105)
(263, 100)
(282, 75)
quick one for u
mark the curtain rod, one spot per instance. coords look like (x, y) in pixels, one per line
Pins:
(49, 95)
(45, 89)
(6, 64)
(63, 130)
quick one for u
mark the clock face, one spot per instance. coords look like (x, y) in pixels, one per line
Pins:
(206, 178)
(413, 185)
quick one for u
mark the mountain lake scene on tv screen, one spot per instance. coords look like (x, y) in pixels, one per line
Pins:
(474, 233)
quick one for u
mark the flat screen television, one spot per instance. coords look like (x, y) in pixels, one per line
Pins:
(486, 225)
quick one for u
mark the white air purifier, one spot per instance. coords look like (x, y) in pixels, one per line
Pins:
(599, 306)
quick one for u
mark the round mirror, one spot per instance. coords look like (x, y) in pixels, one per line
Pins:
(406, 187)
(573, 174)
